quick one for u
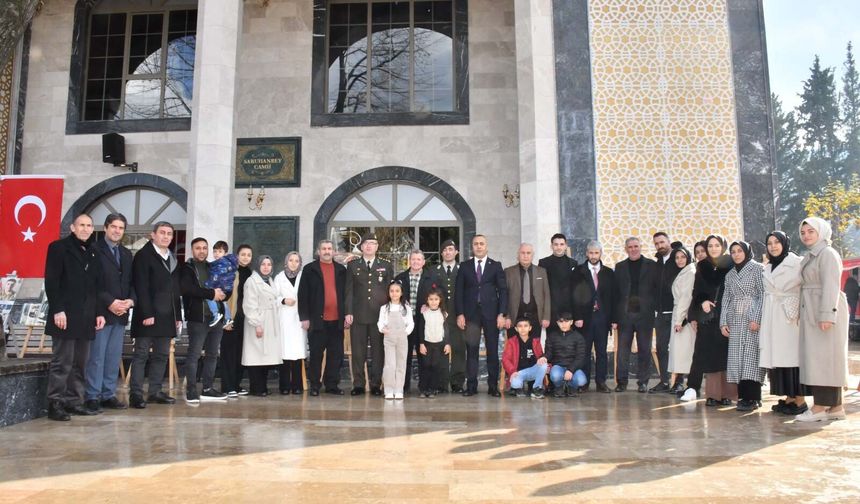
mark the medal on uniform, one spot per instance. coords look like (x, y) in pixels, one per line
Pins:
(379, 279)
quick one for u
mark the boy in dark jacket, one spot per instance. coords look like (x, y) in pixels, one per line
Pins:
(567, 356)
(222, 275)
(523, 360)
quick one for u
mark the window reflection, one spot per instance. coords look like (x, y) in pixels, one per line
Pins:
(142, 99)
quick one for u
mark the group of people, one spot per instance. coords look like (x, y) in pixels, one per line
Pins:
(716, 312)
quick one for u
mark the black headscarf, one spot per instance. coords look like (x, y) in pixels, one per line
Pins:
(747, 253)
(681, 250)
(786, 244)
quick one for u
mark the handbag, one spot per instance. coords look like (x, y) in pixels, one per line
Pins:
(707, 318)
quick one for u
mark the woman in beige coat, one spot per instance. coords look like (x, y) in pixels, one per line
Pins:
(683, 338)
(261, 346)
(823, 324)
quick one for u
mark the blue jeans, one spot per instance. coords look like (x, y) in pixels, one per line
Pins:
(213, 309)
(102, 368)
(534, 373)
(556, 376)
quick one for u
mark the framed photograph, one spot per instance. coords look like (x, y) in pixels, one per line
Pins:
(268, 162)
(9, 287)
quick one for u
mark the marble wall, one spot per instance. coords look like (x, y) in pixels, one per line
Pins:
(665, 137)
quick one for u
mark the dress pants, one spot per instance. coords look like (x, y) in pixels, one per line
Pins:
(157, 363)
(66, 372)
(473, 343)
(643, 331)
(231, 358)
(457, 339)
(414, 346)
(290, 375)
(827, 396)
(327, 340)
(103, 364)
(597, 334)
(394, 370)
(202, 337)
(432, 366)
(360, 336)
(663, 328)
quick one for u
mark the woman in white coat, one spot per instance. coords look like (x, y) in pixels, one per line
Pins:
(823, 323)
(294, 339)
(779, 336)
(683, 338)
(261, 346)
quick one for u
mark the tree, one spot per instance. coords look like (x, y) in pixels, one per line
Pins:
(819, 119)
(790, 158)
(840, 204)
(850, 111)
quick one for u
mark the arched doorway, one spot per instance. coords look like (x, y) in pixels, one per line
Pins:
(143, 199)
(405, 207)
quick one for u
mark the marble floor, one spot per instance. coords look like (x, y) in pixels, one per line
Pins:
(595, 448)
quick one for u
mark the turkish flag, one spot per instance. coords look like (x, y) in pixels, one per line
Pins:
(30, 208)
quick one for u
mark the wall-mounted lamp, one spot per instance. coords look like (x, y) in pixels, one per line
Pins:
(113, 151)
(257, 199)
(512, 198)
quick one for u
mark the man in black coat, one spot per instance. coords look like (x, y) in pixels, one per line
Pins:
(203, 334)
(595, 310)
(157, 316)
(416, 284)
(321, 310)
(481, 303)
(72, 276)
(664, 303)
(637, 280)
(116, 297)
(559, 270)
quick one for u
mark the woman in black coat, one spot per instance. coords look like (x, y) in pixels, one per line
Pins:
(712, 348)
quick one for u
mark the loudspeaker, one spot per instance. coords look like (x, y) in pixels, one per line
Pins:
(113, 148)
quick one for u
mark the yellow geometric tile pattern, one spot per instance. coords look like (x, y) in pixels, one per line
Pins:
(664, 121)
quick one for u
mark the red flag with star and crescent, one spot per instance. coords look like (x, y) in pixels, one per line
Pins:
(30, 213)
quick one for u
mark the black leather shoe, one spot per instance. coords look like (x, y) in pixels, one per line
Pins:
(376, 391)
(725, 402)
(677, 388)
(456, 389)
(712, 402)
(468, 393)
(286, 392)
(621, 387)
(114, 403)
(314, 392)
(160, 398)
(494, 392)
(93, 405)
(80, 410)
(298, 391)
(660, 387)
(642, 388)
(583, 389)
(333, 391)
(136, 401)
(357, 391)
(57, 412)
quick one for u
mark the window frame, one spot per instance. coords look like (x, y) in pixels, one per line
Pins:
(75, 123)
(321, 117)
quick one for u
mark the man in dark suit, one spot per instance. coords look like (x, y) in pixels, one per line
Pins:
(72, 278)
(157, 316)
(595, 300)
(637, 278)
(481, 302)
(416, 284)
(445, 277)
(116, 297)
(321, 310)
(528, 293)
(367, 282)
(559, 270)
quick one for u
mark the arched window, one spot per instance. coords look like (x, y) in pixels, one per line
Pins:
(404, 216)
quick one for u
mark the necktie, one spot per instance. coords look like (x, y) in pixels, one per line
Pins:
(368, 264)
(116, 255)
(527, 288)
(480, 272)
(449, 270)
(594, 279)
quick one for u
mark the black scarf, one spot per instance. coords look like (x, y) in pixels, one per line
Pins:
(786, 244)
(747, 253)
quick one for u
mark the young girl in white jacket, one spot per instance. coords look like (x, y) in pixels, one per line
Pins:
(395, 323)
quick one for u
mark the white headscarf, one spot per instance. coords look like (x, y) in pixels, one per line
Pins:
(821, 226)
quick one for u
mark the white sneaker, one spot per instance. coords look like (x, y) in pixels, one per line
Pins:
(809, 416)
(398, 395)
(232, 395)
(689, 395)
(836, 415)
(390, 396)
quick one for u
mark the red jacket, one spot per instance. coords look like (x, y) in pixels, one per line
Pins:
(511, 355)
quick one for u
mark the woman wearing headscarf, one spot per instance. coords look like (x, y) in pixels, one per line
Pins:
(700, 251)
(823, 324)
(740, 321)
(231, 341)
(779, 336)
(683, 338)
(294, 339)
(261, 347)
(710, 355)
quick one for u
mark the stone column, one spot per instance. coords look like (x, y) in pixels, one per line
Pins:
(210, 170)
(538, 145)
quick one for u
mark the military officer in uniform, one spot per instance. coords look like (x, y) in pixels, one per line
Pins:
(445, 277)
(367, 282)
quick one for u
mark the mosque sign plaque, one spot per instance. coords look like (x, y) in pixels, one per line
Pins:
(269, 162)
